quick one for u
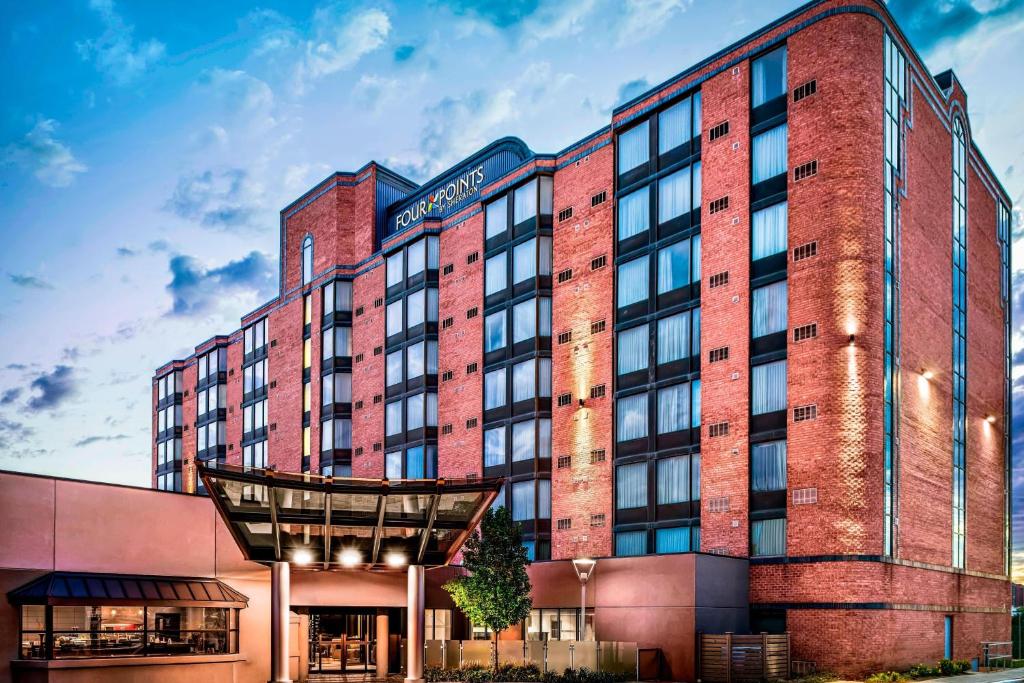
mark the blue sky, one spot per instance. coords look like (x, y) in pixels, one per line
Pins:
(145, 149)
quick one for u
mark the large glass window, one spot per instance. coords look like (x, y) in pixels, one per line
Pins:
(768, 537)
(524, 205)
(634, 213)
(634, 349)
(524, 444)
(336, 388)
(768, 388)
(680, 539)
(496, 273)
(770, 154)
(679, 193)
(674, 480)
(674, 266)
(414, 412)
(336, 434)
(416, 257)
(631, 486)
(634, 147)
(497, 217)
(673, 408)
(524, 321)
(393, 372)
(523, 499)
(674, 126)
(394, 318)
(337, 296)
(416, 309)
(631, 417)
(768, 77)
(494, 389)
(396, 268)
(524, 261)
(630, 543)
(768, 310)
(674, 339)
(633, 281)
(494, 331)
(769, 230)
(494, 447)
(524, 380)
(768, 466)
(393, 418)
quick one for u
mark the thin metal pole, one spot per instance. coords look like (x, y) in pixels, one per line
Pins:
(280, 606)
(583, 611)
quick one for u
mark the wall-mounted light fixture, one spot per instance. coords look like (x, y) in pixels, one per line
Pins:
(853, 338)
(927, 374)
(581, 403)
(991, 419)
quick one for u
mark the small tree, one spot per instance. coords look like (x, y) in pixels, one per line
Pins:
(496, 592)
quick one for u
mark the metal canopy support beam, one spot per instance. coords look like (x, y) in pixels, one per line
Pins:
(431, 518)
(378, 531)
(327, 529)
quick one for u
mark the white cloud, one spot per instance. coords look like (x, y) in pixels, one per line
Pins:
(373, 91)
(556, 20)
(340, 40)
(644, 18)
(115, 52)
(49, 159)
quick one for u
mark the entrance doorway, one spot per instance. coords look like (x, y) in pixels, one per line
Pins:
(342, 640)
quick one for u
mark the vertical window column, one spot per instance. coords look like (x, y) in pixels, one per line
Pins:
(211, 409)
(959, 258)
(168, 431)
(254, 395)
(335, 382)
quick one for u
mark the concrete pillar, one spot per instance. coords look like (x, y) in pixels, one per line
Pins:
(280, 608)
(382, 643)
(415, 618)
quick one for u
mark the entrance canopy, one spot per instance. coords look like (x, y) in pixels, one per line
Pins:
(330, 523)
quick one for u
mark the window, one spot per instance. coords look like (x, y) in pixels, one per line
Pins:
(523, 499)
(633, 282)
(634, 349)
(336, 434)
(393, 373)
(254, 337)
(673, 266)
(395, 268)
(414, 412)
(634, 213)
(959, 379)
(679, 123)
(524, 261)
(336, 388)
(768, 466)
(414, 360)
(524, 444)
(769, 229)
(768, 537)
(416, 311)
(393, 465)
(494, 389)
(768, 392)
(337, 342)
(768, 77)
(674, 480)
(675, 341)
(674, 193)
(634, 147)
(524, 381)
(393, 418)
(673, 408)
(629, 543)
(631, 486)
(307, 260)
(768, 309)
(494, 447)
(524, 205)
(416, 258)
(631, 417)
(394, 318)
(496, 218)
(769, 154)
(496, 273)
(675, 540)
(524, 321)
(438, 624)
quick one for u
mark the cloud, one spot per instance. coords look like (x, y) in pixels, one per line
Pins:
(115, 52)
(340, 39)
(49, 159)
(195, 288)
(126, 252)
(238, 90)
(628, 91)
(52, 388)
(223, 199)
(404, 53)
(644, 18)
(29, 281)
(89, 440)
(10, 396)
(500, 14)
(13, 434)
(930, 23)
(158, 246)
(556, 20)
(373, 92)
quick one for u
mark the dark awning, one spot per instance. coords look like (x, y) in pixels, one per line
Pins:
(311, 520)
(78, 588)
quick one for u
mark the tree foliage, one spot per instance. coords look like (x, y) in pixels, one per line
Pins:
(496, 591)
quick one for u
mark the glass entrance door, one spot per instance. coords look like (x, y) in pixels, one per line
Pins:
(342, 641)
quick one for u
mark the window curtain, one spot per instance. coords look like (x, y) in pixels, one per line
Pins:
(414, 463)
(768, 76)
(432, 305)
(695, 247)
(524, 443)
(547, 195)
(416, 258)
(674, 408)
(633, 284)
(543, 499)
(768, 466)
(494, 447)
(695, 403)
(673, 338)
(697, 114)
(522, 500)
(769, 154)
(414, 412)
(634, 147)
(768, 393)
(393, 465)
(674, 126)
(395, 268)
(629, 543)
(695, 332)
(343, 387)
(769, 309)
(544, 256)
(674, 540)
(633, 349)
(431, 409)
(496, 273)
(326, 351)
(524, 321)
(673, 480)
(431, 357)
(631, 486)
(494, 331)
(631, 417)
(634, 213)
(544, 313)
(525, 206)
(695, 477)
(674, 266)
(394, 368)
(544, 377)
(544, 438)
(414, 360)
(343, 433)
(768, 537)
(342, 341)
(327, 435)
(674, 195)
(696, 173)
(524, 381)
(394, 318)
(497, 217)
(415, 309)
(524, 261)
(769, 228)
(433, 252)
(494, 389)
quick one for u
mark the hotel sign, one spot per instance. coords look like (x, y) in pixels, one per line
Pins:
(443, 199)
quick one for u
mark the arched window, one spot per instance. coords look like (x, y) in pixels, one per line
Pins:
(307, 259)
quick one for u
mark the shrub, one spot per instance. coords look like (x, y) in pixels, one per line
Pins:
(509, 673)
(886, 677)
(817, 677)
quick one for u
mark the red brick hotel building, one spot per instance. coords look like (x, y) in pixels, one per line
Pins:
(763, 313)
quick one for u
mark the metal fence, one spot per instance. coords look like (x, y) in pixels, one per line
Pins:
(547, 655)
(731, 658)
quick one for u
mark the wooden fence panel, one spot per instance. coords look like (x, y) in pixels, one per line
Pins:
(730, 658)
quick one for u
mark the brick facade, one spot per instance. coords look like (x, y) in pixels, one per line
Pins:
(848, 605)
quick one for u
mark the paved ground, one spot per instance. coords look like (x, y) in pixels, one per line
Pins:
(1000, 676)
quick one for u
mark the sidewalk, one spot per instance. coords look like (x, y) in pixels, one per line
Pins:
(988, 677)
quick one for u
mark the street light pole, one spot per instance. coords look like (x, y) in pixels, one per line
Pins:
(584, 570)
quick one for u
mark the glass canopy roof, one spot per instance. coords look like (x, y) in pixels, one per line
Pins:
(331, 523)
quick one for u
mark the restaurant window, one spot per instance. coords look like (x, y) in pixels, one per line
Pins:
(768, 77)
(634, 147)
(768, 537)
(437, 624)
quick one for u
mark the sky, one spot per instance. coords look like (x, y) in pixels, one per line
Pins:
(146, 149)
